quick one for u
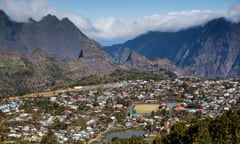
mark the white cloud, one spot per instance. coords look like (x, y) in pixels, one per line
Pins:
(117, 28)
(112, 28)
(83, 23)
(233, 13)
(22, 10)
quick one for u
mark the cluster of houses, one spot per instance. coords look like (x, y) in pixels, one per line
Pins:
(184, 99)
(86, 114)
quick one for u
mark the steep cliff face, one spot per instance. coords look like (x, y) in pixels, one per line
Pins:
(60, 39)
(93, 60)
(212, 50)
(138, 62)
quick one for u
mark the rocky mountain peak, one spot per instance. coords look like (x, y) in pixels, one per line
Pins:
(49, 18)
(59, 39)
(31, 20)
(3, 17)
(218, 22)
(2, 13)
(139, 62)
(92, 50)
(134, 56)
(38, 53)
(66, 20)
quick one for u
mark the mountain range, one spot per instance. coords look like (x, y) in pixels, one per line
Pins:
(50, 53)
(211, 50)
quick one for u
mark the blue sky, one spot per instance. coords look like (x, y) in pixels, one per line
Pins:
(94, 9)
(113, 21)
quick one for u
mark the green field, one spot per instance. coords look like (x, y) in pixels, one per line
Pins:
(146, 108)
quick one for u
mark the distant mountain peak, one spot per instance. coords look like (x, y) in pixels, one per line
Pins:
(66, 20)
(53, 19)
(92, 50)
(38, 51)
(2, 12)
(49, 17)
(134, 56)
(31, 20)
(3, 15)
(220, 20)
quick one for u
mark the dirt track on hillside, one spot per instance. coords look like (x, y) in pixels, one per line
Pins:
(59, 91)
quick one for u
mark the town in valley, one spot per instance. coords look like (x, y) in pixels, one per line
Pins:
(89, 113)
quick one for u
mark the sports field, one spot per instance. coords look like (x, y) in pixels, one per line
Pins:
(146, 108)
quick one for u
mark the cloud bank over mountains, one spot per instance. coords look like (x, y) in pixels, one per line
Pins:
(112, 28)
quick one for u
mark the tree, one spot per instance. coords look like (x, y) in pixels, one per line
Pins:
(49, 139)
(225, 129)
(198, 132)
(152, 113)
(178, 134)
(157, 140)
(79, 142)
(116, 140)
